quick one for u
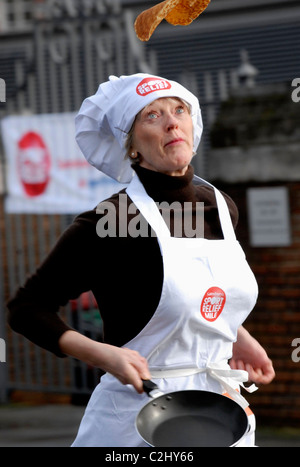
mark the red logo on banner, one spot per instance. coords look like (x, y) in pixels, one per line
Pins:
(149, 85)
(33, 164)
(213, 303)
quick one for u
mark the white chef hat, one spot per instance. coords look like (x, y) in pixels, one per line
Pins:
(105, 119)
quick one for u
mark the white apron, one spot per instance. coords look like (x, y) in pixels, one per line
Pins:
(208, 291)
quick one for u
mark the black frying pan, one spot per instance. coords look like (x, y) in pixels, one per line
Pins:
(190, 418)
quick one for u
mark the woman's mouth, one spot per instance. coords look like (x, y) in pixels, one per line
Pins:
(174, 142)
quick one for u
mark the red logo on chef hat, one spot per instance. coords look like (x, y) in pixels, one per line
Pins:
(213, 303)
(149, 85)
(33, 164)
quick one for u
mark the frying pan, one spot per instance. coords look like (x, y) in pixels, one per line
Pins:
(190, 418)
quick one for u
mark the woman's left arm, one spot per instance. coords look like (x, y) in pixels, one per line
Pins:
(249, 355)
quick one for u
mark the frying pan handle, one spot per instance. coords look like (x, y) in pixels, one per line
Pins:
(151, 389)
(149, 386)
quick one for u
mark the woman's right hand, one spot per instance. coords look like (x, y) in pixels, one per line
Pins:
(127, 365)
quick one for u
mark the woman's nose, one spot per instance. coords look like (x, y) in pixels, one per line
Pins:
(171, 122)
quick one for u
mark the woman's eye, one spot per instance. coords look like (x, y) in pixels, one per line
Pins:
(180, 110)
(152, 115)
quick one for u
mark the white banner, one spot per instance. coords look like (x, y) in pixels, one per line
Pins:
(46, 172)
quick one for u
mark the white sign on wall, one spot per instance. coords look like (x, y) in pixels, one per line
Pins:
(269, 217)
(46, 172)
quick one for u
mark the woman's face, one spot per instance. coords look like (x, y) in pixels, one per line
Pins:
(163, 136)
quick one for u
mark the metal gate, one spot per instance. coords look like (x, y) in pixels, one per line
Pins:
(50, 65)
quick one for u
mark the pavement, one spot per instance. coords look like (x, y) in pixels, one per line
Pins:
(39, 426)
(56, 426)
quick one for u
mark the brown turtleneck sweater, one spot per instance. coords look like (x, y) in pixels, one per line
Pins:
(125, 274)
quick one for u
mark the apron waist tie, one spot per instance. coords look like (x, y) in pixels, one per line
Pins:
(225, 376)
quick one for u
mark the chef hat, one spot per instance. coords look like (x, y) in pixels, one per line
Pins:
(105, 119)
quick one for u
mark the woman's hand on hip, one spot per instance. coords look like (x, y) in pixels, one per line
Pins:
(249, 355)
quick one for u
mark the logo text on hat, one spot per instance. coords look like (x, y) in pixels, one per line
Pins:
(149, 85)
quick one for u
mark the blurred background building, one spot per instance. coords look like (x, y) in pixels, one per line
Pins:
(240, 58)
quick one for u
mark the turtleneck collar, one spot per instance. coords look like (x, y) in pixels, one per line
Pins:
(162, 187)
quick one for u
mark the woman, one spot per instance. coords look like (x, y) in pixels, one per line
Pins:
(172, 307)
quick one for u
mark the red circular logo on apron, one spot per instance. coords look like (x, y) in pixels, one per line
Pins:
(213, 303)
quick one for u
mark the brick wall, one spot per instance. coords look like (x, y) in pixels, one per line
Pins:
(275, 321)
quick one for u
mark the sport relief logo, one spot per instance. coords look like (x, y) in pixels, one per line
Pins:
(149, 85)
(33, 164)
(213, 304)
